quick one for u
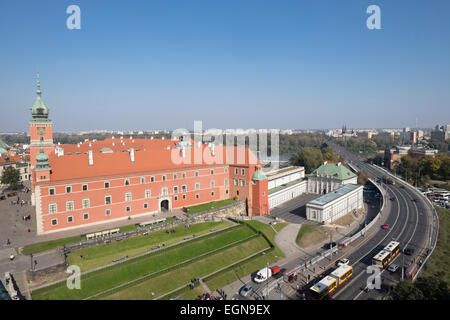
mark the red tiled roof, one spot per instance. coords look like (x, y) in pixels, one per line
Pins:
(149, 159)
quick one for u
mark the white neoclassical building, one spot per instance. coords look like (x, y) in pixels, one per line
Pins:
(329, 177)
(333, 205)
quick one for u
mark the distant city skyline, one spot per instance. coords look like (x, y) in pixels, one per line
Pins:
(161, 65)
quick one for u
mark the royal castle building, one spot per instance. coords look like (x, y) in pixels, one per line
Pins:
(95, 182)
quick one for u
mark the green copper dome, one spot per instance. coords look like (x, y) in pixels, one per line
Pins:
(259, 175)
(39, 109)
(42, 161)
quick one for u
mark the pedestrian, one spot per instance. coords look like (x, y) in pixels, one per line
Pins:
(8, 242)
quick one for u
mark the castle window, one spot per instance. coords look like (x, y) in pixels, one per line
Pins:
(243, 172)
(212, 183)
(197, 186)
(52, 208)
(175, 176)
(51, 191)
(107, 199)
(85, 203)
(147, 194)
(127, 182)
(54, 222)
(85, 216)
(184, 175)
(69, 206)
(128, 209)
(225, 182)
(164, 177)
(145, 205)
(142, 180)
(68, 189)
(175, 189)
(108, 212)
(183, 188)
(70, 219)
(127, 196)
(242, 183)
(184, 196)
(196, 173)
(212, 171)
(85, 187)
(197, 196)
(107, 185)
(152, 179)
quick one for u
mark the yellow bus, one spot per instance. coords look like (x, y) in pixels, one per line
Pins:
(323, 288)
(385, 256)
(342, 274)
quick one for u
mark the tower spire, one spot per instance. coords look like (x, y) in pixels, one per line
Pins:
(38, 91)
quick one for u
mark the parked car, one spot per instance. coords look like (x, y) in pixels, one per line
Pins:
(393, 267)
(329, 245)
(246, 290)
(408, 251)
(385, 226)
(342, 262)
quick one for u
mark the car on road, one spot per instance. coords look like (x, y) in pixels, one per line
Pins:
(385, 226)
(393, 267)
(408, 251)
(246, 290)
(342, 262)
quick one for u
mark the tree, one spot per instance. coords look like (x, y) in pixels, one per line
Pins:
(10, 176)
(308, 158)
(363, 176)
(426, 288)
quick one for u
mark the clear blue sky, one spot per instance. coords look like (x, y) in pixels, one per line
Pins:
(231, 63)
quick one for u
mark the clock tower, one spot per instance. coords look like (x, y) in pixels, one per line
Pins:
(41, 134)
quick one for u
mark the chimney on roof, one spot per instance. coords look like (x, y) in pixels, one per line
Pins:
(132, 155)
(91, 159)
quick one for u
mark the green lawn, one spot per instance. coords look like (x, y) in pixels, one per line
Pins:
(267, 231)
(52, 244)
(304, 230)
(439, 262)
(279, 226)
(145, 266)
(209, 205)
(48, 245)
(225, 277)
(99, 255)
(174, 279)
(221, 279)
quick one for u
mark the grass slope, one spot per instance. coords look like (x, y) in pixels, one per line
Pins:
(104, 254)
(104, 279)
(439, 262)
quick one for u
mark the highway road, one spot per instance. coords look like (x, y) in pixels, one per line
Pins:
(410, 218)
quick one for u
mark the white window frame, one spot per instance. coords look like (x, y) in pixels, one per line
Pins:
(127, 182)
(148, 194)
(109, 184)
(107, 212)
(84, 204)
(68, 219)
(67, 205)
(50, 191)
(54, 224)
(50, 205)
(175, 189)
(128, 196)
(84, 216)
(70, 188)
(197, 186)
(84, 185)
(212, 184)
(110, 199)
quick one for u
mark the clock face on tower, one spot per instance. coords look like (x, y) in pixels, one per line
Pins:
(41, 131)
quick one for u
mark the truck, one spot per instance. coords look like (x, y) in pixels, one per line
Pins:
(265, 273)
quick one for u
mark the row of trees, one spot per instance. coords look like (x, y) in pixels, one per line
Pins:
(367, 146)
(312, 158)
(425, 168)
(426, 288)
